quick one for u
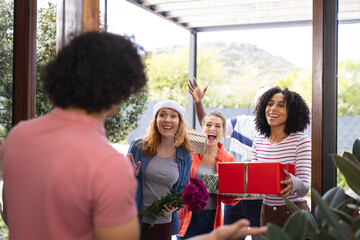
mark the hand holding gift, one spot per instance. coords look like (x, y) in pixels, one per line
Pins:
(288, 183)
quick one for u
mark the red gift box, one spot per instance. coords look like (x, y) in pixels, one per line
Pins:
(254, 178)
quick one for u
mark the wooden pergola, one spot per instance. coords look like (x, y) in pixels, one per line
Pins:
(77, 16)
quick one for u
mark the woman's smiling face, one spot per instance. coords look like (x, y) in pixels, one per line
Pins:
(276, 111)
(167, 122)
(213, 127)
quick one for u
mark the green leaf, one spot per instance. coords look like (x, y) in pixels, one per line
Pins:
(341, 233)
(324, 235)
(356, 149)
(313, 226)
(276, 233)
(350, 171)
(155, 209)
(351, 158)
(342, 215)
(296, 226)
(356, 224)
(333, 198)
(258, 237)
(292, 206)
(357, 234)
(324, 209)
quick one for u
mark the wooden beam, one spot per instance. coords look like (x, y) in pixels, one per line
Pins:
(24, 71)
(324, 91)
(91, 15)
(75, 17)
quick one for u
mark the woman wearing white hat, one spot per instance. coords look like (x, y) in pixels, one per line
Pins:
(163, 165)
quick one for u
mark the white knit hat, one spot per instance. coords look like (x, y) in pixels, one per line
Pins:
(169, 104)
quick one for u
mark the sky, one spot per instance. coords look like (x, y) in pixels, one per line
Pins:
(293, 44)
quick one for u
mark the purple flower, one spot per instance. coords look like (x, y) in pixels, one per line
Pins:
(197, 182)
(190, 189)
(187, 198)
(195, 195)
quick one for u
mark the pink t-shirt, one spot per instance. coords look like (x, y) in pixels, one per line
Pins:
(62, 178)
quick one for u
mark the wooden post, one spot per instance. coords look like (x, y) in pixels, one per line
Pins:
(75, 17)
(24, 71)
(324, 92)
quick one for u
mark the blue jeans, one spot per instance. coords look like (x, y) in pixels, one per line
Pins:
(201, 222)
(250, 209)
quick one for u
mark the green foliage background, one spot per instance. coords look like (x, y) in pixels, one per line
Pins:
(234, 72)
(117, 128)
(6, 65)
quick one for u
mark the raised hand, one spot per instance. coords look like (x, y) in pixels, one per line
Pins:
(136, 166)
(195, 90)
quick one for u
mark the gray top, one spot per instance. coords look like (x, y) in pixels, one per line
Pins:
(212, 201)
(160, 175)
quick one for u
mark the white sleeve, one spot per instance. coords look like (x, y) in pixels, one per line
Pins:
(229, 128)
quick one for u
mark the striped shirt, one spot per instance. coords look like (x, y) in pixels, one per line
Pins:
(242, 131)
(296, 148)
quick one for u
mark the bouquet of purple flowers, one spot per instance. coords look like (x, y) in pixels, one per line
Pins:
(195, 196)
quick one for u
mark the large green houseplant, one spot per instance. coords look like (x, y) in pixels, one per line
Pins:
(336, 215)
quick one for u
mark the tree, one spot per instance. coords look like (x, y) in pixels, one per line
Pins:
(45, 51)
(234, 72)
(117, 127)
(168, 72)
(299, 81)
(349, 90)
(6, 64)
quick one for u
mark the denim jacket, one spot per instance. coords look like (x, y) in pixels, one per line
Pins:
(183, 159)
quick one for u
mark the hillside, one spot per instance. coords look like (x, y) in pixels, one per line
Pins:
(228, 67)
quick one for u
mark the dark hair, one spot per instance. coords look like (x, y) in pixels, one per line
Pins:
(297, 109)
(95, 71)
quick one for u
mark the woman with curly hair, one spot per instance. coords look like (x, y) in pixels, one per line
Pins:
(74, 183)
(163, 163)
(281, 117)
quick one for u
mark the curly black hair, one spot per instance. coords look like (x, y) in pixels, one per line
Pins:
(297, 109)
(94, 71)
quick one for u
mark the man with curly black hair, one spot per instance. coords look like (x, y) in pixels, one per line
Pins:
(62, 180)
(281, 116)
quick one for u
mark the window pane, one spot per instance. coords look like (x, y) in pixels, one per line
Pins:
(348, 89)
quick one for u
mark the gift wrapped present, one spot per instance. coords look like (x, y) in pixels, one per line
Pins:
(253, 178)
(197, 140)
(211, 181)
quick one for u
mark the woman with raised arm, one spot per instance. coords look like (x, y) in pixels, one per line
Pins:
(204, 221)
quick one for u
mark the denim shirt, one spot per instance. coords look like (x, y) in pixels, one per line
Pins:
(183, 159)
